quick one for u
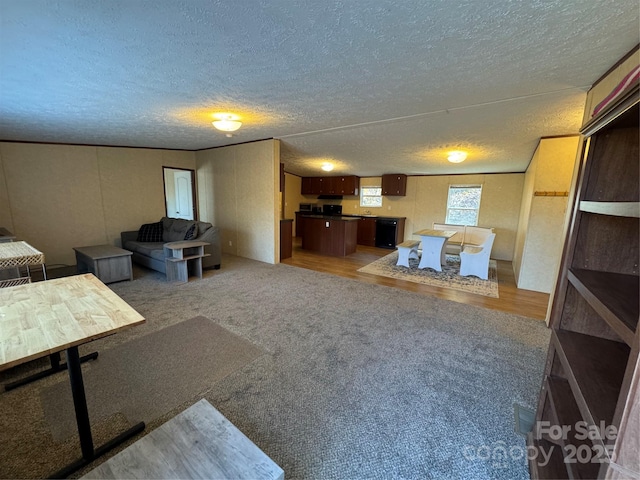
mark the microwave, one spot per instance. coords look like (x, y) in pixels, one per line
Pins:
(307, 207)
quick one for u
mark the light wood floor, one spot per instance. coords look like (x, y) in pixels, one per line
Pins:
(512, 300)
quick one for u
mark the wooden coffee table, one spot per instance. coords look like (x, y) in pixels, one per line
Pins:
(108, 263)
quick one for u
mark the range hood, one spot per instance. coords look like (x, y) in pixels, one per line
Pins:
(329, 197)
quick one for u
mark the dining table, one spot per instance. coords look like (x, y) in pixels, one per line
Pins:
(433, 251)
(43, 318)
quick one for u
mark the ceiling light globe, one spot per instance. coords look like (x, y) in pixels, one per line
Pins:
(227, 125)
(327, 167)
(457, 156)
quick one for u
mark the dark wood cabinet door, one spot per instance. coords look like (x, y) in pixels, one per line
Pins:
(367, 232)
(348, 185)
(394, 184)
(307, 186)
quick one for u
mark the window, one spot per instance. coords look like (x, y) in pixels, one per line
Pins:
(371, 196)
(463, 204)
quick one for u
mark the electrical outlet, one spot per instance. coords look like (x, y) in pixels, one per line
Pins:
(389, 207)
(230, 243)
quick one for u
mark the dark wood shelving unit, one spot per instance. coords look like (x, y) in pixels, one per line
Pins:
(592, 363)
(566, 412)
(595, 370)
(611, 295)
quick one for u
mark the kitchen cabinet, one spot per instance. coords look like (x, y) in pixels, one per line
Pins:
(592, 370)
(336, 236)
(341, 185)
(367, 231)
(286, 238)
(312, 185)
(394, 184)
(299, 224)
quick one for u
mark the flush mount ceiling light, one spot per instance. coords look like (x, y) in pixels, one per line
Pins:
(457, 156)
(226, 122)
(327, 167)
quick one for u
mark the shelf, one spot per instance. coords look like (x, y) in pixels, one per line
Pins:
(568, 414)
(618, 209)
(188, 257)
(554, 468)
(595, 369)
(614, 296)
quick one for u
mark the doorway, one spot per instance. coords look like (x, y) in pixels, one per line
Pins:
(179, 192)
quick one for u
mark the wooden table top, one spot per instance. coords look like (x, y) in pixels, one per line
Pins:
(435, 233)
(197, 443)
(185, 244)
(41, 318)
(102, 251)
(15, 254)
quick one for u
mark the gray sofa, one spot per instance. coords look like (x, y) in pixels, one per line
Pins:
(147, 242)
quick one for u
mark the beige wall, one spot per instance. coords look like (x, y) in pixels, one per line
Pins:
(57, 197)
(292, 197)
(239, 192)
(540, 235)
(426, 203)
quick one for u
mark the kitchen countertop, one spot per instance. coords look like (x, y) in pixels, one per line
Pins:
(346, 218)
(352, 216)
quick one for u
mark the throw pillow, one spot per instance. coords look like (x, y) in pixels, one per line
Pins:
(150, 232)
(192, 232)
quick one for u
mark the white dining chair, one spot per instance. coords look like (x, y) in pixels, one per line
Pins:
(475, 260)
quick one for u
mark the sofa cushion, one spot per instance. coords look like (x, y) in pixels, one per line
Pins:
(192, 232)
(150, 232)
(175, 229)
(148, 249)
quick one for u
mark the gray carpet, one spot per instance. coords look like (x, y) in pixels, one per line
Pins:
(148, 376)
(359, 380)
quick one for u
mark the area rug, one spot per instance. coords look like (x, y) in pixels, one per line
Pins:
(449, 277)
(147, 377)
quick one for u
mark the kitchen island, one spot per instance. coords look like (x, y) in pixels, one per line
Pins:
(334, 235)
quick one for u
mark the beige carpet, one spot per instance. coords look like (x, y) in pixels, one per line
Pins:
(146, 377)
(448, 278)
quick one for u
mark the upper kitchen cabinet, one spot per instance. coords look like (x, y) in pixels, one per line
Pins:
(394, 184)
(344, 185)
(312, 185)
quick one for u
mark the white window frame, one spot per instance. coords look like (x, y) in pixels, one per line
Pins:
(378, 197)
(449, 207)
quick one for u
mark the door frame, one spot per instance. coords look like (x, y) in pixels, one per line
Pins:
(193, 188)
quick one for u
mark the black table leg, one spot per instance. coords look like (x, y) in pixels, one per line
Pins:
(82, 419)
(56, 367)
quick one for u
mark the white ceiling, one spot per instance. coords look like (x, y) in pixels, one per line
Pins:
(378, 86)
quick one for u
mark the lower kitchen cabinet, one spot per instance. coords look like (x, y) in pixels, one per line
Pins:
(367, 231)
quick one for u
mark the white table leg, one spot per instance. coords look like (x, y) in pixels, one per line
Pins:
(433, 255)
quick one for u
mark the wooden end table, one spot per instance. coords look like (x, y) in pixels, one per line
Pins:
(108, 263)
(180, 257)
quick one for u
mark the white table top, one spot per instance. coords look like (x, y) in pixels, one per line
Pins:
(41, 318)
(435, 233)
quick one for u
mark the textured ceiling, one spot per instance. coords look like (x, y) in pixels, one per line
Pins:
(375, 86)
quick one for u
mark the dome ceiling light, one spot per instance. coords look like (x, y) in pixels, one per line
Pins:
(327, 167)
(226, 122)
(457, 156)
